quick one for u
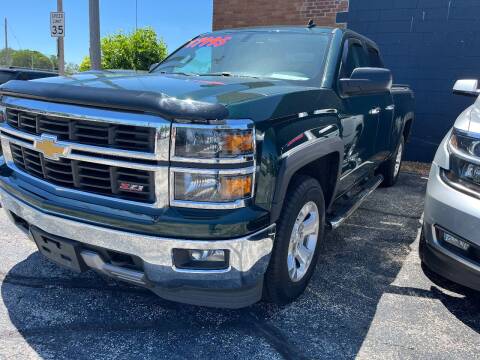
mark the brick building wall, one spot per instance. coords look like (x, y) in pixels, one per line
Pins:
(242, 13)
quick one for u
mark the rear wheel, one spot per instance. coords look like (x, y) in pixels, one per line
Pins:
(390, 169)
(300, 231)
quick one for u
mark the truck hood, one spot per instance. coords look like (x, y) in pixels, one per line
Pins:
(213, 89)
(169, 95)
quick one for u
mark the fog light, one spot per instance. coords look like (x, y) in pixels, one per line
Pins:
(197, 259)
(453, 240)
(207, 255)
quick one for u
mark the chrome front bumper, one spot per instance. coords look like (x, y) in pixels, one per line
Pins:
(459, 214)
(249, 255)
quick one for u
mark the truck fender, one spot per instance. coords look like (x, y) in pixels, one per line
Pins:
(409, 118)
(295, 159)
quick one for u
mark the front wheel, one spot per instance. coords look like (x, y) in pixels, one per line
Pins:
(300, 231)
(391, 168)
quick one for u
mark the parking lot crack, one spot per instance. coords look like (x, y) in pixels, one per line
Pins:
(275, 337)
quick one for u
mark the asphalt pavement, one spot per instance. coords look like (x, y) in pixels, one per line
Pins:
(369, 298)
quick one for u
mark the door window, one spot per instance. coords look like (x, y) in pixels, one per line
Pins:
(374, 58)
(355, 58)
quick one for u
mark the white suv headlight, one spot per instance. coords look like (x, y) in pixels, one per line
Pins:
(467, 143)
(464, 160)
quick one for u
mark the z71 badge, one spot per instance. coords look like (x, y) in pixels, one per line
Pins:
(131, 187)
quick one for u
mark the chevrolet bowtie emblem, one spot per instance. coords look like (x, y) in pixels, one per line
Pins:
(49, 147)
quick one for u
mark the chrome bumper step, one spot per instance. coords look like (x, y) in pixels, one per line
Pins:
(95, 261)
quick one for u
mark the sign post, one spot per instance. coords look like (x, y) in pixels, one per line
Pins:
(95, 52)
(57, 30)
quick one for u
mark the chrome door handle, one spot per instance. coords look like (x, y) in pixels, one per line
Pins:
(375, 111)
(390, 107)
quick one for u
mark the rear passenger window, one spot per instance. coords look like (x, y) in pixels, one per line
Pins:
(374, 58)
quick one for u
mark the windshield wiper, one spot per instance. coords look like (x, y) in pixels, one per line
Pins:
(221, 73)
(226, 73)
(179, 73)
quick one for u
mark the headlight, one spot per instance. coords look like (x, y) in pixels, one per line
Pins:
(229, 143)
(465, 143)
(211, 188)
(464, 161)
(195, 182)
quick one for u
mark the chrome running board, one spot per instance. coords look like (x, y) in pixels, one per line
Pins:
(348, 207)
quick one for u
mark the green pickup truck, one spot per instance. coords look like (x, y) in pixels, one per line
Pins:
(213, 178)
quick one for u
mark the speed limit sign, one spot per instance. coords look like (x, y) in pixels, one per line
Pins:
(57, 24)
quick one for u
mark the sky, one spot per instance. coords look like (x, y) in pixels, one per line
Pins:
(176, 21)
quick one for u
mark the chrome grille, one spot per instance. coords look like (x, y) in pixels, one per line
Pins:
(115, 155)
(87, 176)
(118, 136)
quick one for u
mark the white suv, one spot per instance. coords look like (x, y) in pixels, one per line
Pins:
(450, 245)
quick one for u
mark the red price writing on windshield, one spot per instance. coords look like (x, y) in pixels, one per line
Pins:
(209, 41)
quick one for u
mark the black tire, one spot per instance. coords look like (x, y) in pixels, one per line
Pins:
(279, 288)
(387, 169)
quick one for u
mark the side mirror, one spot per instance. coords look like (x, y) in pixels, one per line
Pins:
(366, 81)
(153, 66)
(466, 87)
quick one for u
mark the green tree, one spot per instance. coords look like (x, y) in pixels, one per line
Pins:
(31, 59)
(136, 50)
(54, 61)
(71, 68)
(85, 64)
(6, 57)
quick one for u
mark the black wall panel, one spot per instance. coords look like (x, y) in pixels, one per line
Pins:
(428, 44)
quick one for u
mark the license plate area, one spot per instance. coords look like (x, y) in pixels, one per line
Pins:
(59, 250)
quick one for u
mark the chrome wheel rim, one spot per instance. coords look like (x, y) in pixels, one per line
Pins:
(398, 160)
(303, 241)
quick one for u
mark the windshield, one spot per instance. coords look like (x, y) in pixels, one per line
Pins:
(278, 55)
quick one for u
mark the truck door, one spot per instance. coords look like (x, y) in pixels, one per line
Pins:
(383, 139)
(359, 117)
